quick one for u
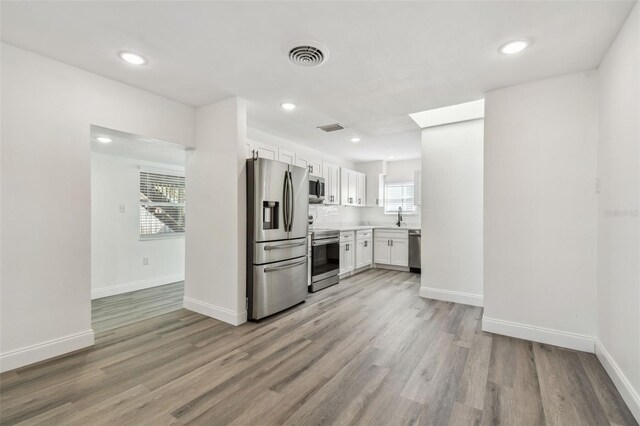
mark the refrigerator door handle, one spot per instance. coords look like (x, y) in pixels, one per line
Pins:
(290, 265)
(291, 202)
(285, 202)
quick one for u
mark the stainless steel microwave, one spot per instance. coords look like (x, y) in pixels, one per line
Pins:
(316, 189)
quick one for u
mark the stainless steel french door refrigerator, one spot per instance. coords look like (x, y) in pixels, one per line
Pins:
(277, 232)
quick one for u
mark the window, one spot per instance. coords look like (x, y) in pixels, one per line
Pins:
(398, 195)
(162, 198)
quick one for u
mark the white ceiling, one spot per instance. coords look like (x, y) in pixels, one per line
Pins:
(388, 59)
(137, 147)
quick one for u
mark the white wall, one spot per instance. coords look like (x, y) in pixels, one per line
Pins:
(47, 110)
(539, 210)
(452, 167)
(397, 172)
(618, 331)
(216, 190)
(116, 247)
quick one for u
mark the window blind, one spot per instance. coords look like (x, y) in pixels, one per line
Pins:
(162, 204)
(399, 195)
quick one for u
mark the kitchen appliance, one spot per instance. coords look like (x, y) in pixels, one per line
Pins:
(316, 189)
(325, 259)
(277, 232)
(414, 250)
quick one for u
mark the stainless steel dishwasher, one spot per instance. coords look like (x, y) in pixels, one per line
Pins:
(414, 250)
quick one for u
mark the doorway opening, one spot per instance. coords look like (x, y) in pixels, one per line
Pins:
(138, 224)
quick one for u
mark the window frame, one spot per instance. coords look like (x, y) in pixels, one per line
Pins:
(405, 211)
(179, 173)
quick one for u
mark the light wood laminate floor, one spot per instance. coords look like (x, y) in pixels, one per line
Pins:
(112, 312)
(368, 351)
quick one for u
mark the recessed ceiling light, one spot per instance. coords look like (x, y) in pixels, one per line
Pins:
(132, 58)
(355, 140)
(104, 139)
(391, 157)
(515, 46)
(288, 106)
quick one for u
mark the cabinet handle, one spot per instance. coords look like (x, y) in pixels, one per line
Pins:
(388, 243)
(391, 243)
(365, 243)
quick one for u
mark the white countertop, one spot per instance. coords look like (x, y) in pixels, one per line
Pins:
(361, 227)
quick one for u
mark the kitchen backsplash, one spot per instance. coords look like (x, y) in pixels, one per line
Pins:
(339, 216)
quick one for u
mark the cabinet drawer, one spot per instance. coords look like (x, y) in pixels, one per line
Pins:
(364, 234)
(346, 236)
(392, 233)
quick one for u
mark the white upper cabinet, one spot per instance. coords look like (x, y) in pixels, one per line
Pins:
(361, 189)
(286, 156)
(353, 188)
(314, 167)
(263, 150)
(331, 175)
(417, 188)
(375, 191)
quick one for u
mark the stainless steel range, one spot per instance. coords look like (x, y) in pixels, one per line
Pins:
(325, 259)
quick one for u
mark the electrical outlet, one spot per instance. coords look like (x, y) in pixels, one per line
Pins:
(146, 260)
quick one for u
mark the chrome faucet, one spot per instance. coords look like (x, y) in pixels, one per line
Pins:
(399, 222)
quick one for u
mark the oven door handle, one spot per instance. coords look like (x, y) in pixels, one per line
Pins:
(325, 242)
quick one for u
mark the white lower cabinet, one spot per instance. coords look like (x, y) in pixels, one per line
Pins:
(381, 251)
(399, 253)
(347, 252)
(391, 247)
(364, 253)
(364, 248)
(346, 257)
(356, 251)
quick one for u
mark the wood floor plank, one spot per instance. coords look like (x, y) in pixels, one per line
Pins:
(610, 399)
(512, 395)
(128, 308)
(368, 351)
(567, 394)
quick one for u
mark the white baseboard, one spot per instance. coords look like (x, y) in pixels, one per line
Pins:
(42, 351)
(452, 296)
(391, 267)
(629, 394)
(97, 293)
(565, 339)
(217, 312)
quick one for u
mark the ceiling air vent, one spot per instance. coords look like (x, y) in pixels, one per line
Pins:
(307, 53)
(331, 127)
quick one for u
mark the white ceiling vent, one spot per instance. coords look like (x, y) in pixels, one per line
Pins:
(331, 127)
(307, 53)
